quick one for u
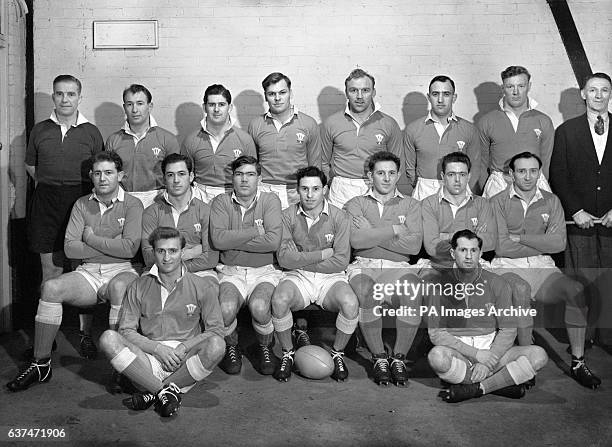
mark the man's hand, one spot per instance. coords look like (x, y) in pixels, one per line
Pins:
(584, 220)
(479, 372)
(361, 223)
(327, 253)
(168, 358)
(193, 252)
(260, 228)
(515, 237)
(400, 230)
(606, 220)
(181, 351)
(487, 358)
(87, 233)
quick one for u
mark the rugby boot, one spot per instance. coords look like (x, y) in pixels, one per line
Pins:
(399, 374)
(141, 401)
(511, 391)
(381, 369)
(267, 363)
(530, 383)
(87, 347)
(168, 400)
(232, 361)
(340, 373)
(461, 391)
(283, 372)
(583, 375)
(39, 371)
(300, 337)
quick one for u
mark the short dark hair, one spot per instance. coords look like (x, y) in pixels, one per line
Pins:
(358, 73)
(176, 158)
(456, 157)
(274, 78)
(599, 75)
(514, 70)
(245, 160)
(468, 234)
(217, 89)
(383, 156)
(310, 171)
(442, 78)
(526, 155)
(137, 88)
(67, 78)
(110, 156)
(164, 233)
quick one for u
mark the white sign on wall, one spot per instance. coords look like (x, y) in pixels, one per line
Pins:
(125, 34)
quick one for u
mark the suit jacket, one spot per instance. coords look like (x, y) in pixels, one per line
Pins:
(576, 175)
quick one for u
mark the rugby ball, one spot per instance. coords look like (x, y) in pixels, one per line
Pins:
(313, 362)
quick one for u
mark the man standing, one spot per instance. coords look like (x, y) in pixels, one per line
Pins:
(530, 225)
(142, 145)
(349, 137)
(216, 144)
(246, 228)
(315, 249)
(581, 174)
(171, 331)
(385, 230)
(441, 132)
(56, 158)
(469, 353)
(516, 127)
(103, 231)
(286, 140)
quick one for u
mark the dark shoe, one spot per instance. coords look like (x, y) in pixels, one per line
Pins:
(381, 369)
(283, 372)
(120, 384)
(28, 354)
(141, 401)
(512, 391)
(300, 338)
(399, 374)
(340, 373)
(232, 361)
(39, 371)
(530, 383)
(267, 363)
(583, 375)
(168, 400)
(461, 391)
(87, 348)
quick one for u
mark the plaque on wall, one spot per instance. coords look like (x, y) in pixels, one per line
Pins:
(125, 34)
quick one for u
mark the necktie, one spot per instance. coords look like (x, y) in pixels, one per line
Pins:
(599, 125)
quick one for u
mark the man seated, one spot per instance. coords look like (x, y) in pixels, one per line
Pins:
(531, 224)
(245, 226)
(171, 331)
(315, 251)
(104, 232)
(472, 332)
(385, 231)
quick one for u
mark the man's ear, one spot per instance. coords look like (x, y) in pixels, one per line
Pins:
(452, 253)
(120, 175)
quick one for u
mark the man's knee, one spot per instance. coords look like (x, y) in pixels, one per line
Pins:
(117, 287)
(521, 290)
(281, 301)
(348, 303)
(259, 307)
(52, 291)
(439, 359)
(537, 357)
(111, 342)
(215, 348)
(574, 292)
(363, 286)
(229, 308)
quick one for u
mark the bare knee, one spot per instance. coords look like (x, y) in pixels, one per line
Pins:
(537, 357)
(111, 343)
(52, 291)
(281, 302)
(349, 305)
(215, 348)
(260, 308)
(117, 287)
(439, 359)
(229, 310)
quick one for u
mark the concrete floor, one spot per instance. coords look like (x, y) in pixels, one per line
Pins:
(253, 410)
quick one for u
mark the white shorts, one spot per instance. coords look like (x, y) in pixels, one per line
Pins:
(98, 275)
(426, 187)
(247, 278)
(377, 268)
(344, 189)
(498, 181)
(533, 269)
(158, 369)
(146, 197)
(287, 196)
(208, 193)
(312, 285)
(479, 341)
(207, 274)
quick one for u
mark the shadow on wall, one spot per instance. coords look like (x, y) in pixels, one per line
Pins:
(487, 95)
(330, 101)
(109, 118)
(571, 103)
(247, 105)
(414, 107)
(43, 106)
(187, 119)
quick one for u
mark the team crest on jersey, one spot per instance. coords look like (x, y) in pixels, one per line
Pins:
(538, 132)
(402, 219)
(121, 221)
(198, 227)
(191, 308)
(474, 222)
(329, 237)
(259, 222)
(156, 151)
(460, 145)
(545, 217)
(379, 138)
(300, 137)
(237, 153)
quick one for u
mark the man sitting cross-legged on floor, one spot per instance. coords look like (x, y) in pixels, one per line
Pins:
(473, 331)
(160, 345)
(315, 248)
